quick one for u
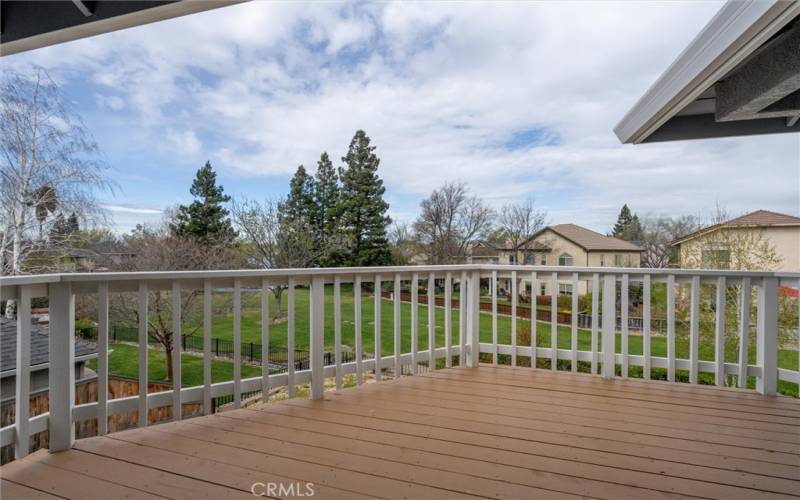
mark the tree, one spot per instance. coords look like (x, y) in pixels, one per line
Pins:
(275, 241)
(657, 235)
(160, 249)
(327, 206)
(519, 222)
(206, 218)
(48, 159)
(449, 221)
(628, 226)
(362, 209)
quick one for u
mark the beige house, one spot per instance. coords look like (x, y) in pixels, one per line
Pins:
(573, 245)
(760, 240)
(559, 245)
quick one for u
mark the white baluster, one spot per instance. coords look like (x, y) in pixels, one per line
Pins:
(744, 332)
(237, 343)
(290, 338)
(574, 332)
(554, 321)
(694, 329)
(646, 326)
(317, 336)
(177, 346)
(671, 328)
(102, 358)
(431, 322)
(337, 329)
(414, 322)
(357, 335)
(143, 382)
(595, 319)
(62, 366)
(398, 369)
(513, 318)
(495, 350)
(534, 313)
(719, 332)
(625, 333)
(448, 319)
(609, 325)
(207, 296)
(378, 352)
(265, 385)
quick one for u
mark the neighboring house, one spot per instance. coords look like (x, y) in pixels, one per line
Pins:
(573, 245)
(559, 245)
(40, 343)
(484, 252)
(760, 240)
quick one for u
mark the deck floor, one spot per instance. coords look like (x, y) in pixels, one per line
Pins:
(485, 432)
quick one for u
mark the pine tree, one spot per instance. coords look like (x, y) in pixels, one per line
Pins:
(362, 207)
(206, 218)
(299, 204)
(326, 201)
(628, 226)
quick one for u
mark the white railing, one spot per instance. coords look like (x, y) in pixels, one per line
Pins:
(62, 289)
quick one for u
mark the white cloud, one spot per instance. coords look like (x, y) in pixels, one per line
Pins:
(438, 86)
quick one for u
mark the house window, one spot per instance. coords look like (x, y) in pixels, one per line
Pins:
(716, 256)
(512, 259)
(565, 289)
(543, 289)
(529, 258)
(617, 260)
(543, 259)
(566, 259)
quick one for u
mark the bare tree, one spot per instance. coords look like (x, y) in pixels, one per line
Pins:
(404, 246)
(519, 222)
(449, 221)
(49, 164)
(657, 235)
(156, 249)
(275, 242)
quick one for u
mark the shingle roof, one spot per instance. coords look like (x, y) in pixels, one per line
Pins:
(590, 240)
(759, 218)
(39, 345)
(764, 218)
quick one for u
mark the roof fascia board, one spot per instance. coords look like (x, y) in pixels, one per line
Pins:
(739, 28)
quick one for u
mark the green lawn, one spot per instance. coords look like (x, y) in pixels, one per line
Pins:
(124, 361)
(251, 332)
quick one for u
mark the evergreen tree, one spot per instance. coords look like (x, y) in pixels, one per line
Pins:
(300, 204)
(362, 208)
(326, 198)
(206, 218)
(628, 226)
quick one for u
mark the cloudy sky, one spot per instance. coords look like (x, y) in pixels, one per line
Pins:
(515, 99)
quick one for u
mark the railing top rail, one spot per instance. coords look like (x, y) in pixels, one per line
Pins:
(387, 270)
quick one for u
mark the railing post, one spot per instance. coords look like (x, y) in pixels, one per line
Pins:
(23, 376)
(609, 325)
(473, 320)
(62, 366)
(767, 345)
(318, 336)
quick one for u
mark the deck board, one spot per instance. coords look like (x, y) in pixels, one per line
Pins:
(492, 432)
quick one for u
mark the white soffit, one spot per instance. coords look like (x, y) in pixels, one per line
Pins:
(681, 103)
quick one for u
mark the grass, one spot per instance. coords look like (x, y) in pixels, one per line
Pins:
(251, 332)
(124, 362)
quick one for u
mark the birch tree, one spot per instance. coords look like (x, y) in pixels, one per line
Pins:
(49, 165)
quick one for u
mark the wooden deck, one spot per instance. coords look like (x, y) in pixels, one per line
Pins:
(486, 432)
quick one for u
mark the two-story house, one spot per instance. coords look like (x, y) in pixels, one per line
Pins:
(559, 245)
(758, 240)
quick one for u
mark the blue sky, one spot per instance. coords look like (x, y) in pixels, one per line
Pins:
(516, 99)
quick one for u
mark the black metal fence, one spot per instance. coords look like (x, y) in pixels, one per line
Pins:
(222, 348)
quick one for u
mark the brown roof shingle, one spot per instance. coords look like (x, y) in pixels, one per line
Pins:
(591, 240)
(759, 218)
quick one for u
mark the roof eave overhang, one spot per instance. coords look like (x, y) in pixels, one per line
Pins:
(738, 29)
(107, 16)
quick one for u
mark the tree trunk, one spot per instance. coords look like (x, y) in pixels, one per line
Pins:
(277, 292)
(168, 358)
